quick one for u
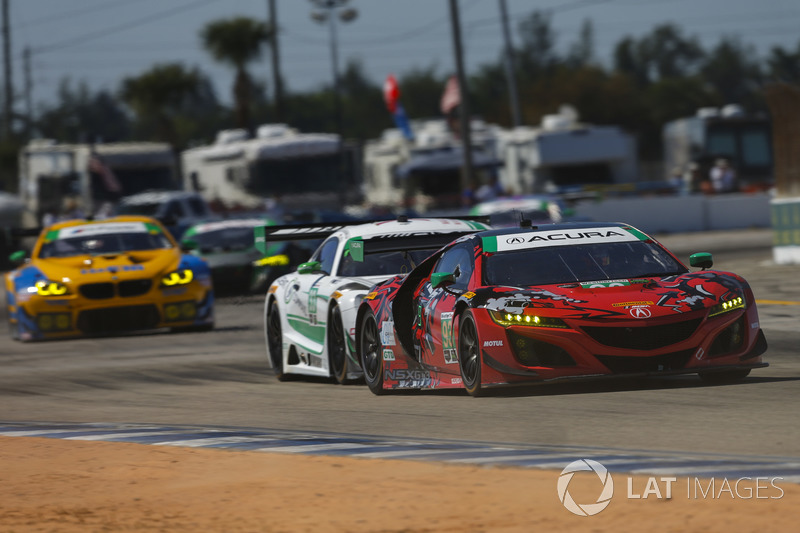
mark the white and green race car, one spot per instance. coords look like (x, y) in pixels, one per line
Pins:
(309, 315)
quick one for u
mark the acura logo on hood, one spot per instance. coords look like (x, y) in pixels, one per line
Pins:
(640, 312)
(515, 240)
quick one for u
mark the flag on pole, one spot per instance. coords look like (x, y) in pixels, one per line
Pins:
(391, 94)
(110, 181)
(451, 97)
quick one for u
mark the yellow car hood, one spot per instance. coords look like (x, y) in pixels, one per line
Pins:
(82, 269)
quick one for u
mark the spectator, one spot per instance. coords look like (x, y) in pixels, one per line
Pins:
(693, 178)
(723, 178)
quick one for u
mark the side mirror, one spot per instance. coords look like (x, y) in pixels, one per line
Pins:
(702, 260)
(309, 267)
(18, 257)
(188, 245)
(442, 279)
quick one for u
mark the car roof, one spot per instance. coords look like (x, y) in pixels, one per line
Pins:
(81, 222)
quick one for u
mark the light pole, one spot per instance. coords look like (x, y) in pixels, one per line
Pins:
(328, 11)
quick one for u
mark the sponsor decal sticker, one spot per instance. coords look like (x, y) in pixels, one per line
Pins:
(388, 355)
(632, 304)
(468, 295)
(448, 342)
(371, 296)
(102, 229)
(538, 239)
(387, 333)
(605, 283)
(489, 344)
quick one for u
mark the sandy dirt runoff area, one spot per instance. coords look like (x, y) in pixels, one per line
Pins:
(50, 485)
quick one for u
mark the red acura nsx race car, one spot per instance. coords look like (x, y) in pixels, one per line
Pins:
(556, 302)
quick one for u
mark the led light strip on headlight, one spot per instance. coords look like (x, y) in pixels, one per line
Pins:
(511, 319)
(725, 307)
(50, 288)
(181, 277)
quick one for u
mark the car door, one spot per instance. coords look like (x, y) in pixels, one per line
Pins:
(303, 312)
(435, 309)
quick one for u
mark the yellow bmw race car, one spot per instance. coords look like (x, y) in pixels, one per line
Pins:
(115, 275)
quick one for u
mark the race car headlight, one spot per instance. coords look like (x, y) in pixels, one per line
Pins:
(179, 277)
(725, 307)
(512, 319)
(50, 288)
(273, 260)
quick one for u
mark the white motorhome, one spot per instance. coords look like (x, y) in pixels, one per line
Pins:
(400, 172)
(280, 165)
(91, 174)
(563, 153)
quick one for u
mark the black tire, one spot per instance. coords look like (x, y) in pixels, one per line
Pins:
(469, 354)
(337, 346)
(725, 376)
(275, 341)
(13, 329)
(370, 353)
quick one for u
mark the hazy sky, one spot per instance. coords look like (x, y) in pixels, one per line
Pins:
(103, 41)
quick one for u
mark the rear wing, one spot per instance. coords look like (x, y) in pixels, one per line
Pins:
(293, 232)
(358, 247)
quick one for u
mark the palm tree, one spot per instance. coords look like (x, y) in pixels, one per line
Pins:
(159, 95)
(237, 42)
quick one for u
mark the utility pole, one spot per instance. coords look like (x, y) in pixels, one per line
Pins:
(26, 58)
(511, 77)
(280, 112)
(8, 107)
(463, 108)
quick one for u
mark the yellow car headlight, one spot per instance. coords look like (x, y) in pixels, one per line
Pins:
(512, 319)
(725, 307)
(179, 277)
(273, 260)
(50, 288)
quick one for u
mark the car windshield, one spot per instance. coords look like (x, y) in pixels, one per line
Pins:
(581, 263)
(83, 240)
(226, 239)
(383, 263)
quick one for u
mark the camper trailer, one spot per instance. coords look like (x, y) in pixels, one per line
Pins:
(424, 172)
(563, 154)
(279, 165)
(743, 140)
(90, 175)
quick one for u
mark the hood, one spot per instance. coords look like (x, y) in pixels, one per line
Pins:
(83, 269)
(618, 299)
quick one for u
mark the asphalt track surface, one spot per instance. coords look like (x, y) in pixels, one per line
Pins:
(220, 379)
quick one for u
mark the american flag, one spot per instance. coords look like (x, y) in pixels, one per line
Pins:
(110, 181)
(451, 97)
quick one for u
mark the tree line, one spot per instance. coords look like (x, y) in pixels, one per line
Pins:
(659, 76)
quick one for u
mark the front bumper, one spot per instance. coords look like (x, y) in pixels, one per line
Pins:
(37, 317)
